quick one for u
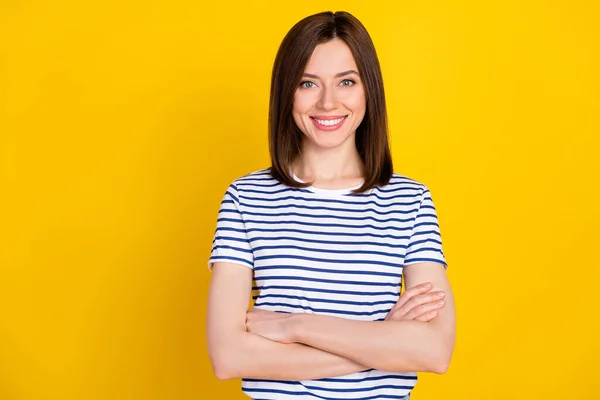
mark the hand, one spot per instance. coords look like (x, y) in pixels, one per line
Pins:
(270, 325)
(418, 304)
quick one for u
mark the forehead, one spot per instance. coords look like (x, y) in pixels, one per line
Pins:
(331, 58)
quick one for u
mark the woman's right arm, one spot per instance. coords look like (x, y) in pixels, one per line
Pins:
(236, 353)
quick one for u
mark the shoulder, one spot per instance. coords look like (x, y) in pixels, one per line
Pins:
(403, 186)
(255, 183)
(256, 176)
(259, 178)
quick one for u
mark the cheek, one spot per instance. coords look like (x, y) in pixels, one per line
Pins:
(302, 103)
(299, 122)
(298, 110)
(356, 102)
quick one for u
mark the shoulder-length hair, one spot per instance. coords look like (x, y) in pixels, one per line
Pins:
(285, 137)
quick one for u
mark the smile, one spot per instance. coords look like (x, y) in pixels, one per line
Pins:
(328, 123)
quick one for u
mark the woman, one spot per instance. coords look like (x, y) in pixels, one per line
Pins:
(327, 233)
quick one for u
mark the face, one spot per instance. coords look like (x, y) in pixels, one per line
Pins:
(330, 102)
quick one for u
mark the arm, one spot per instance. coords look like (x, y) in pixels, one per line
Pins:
(236, 353)
(390, 345)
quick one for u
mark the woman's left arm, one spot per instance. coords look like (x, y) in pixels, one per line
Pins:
(401, 346)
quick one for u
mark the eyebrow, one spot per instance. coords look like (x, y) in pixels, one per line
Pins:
(349, 72)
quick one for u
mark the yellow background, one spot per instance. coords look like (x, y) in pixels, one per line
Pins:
(123, 122)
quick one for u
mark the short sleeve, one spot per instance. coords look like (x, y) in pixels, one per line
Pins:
(231, 242)
(425, 244)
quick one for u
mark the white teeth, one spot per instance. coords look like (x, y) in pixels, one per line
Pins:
(329, 122)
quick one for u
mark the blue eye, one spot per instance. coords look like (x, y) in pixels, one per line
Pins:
(307, 85)
(347, 82)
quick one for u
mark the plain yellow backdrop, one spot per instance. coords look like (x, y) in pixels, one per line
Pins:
(123, 122)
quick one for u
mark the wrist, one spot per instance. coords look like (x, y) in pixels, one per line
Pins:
(293, 327)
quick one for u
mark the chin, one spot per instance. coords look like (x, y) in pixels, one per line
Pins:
(322, 140)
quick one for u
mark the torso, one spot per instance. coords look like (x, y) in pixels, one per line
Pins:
(329, 252)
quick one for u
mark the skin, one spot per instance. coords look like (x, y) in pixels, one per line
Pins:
(330, 159)
(418, 333)
(401, 346)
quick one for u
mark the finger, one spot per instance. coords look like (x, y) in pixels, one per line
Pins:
(259, 311)
(413, 313)
(421, 299)
(410, 293)
(254, 314)
(425, 308)
(264, 315)
(427, 316)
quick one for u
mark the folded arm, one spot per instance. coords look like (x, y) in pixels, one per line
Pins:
(401, 346)
(236, 353)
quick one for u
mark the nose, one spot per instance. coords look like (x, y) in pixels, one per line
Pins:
(327, 99)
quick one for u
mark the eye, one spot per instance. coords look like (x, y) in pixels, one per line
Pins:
(307, 85)
(347, 82)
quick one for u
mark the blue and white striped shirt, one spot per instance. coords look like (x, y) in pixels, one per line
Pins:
(328, 252)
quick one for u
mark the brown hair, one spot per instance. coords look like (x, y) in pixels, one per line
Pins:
(285, 137)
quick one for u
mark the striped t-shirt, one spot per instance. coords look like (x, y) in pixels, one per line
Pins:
(328, 252)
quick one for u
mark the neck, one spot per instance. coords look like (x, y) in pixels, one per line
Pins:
(316, 164)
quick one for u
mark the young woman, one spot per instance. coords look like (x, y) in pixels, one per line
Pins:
(327, 233)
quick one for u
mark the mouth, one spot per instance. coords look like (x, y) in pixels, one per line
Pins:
(328, 123)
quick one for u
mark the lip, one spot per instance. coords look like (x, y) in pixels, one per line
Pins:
(328, 118)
